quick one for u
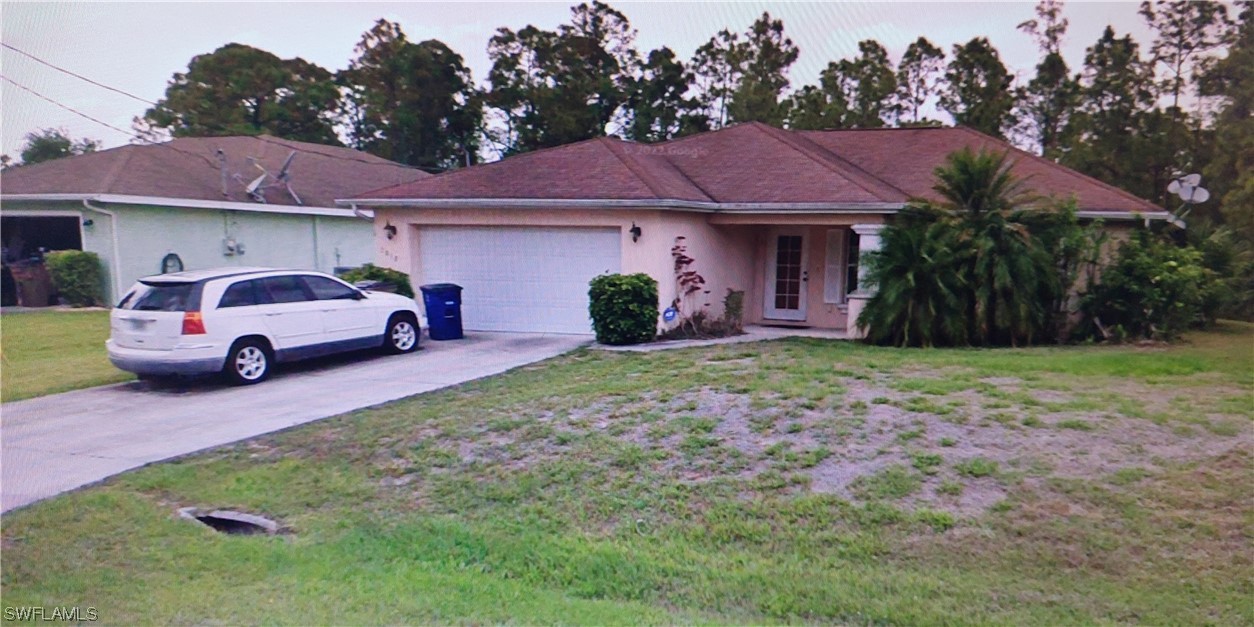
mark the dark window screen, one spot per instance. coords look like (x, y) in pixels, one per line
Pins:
(285, 289)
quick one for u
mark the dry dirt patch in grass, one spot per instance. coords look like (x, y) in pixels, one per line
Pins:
(920, 438)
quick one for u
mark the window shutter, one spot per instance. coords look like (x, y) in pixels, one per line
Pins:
(834, 270)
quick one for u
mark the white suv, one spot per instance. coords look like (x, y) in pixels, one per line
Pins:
(240, 321)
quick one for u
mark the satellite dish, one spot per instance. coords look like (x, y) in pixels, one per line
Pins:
(1189, 189)
(256, 189)
(252, 187)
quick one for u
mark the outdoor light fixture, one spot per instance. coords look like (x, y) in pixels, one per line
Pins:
(635, 232)
(389, 230)
(88, 222)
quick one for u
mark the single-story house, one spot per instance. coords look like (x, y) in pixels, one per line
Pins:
(778, 214)
(195, 203)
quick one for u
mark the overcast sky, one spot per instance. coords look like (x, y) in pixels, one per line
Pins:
(136, 47)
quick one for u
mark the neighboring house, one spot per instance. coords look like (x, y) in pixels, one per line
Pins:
(778, 214)
(187, 203)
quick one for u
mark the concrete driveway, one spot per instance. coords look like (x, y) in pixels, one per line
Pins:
(65, 441)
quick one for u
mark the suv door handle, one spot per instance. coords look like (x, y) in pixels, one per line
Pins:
(273, 313)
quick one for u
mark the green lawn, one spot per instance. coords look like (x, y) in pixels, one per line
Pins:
(46, 352)
(790, 481)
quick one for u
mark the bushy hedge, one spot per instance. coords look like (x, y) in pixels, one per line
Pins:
(77, 275)
(371, 272)
(624, 308)
(1154, 289)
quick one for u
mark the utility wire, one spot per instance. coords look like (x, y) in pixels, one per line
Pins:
(76, 75)
(68, 108)
(106, 124)
(428, 169)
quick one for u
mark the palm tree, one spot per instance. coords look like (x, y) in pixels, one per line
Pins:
(1007, 267)
(968, 269)
(921, 295)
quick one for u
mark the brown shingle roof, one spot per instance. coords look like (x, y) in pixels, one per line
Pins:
(753, 163)
(188, 168)
(906, 157)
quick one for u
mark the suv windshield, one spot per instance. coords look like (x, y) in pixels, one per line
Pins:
(160, 297)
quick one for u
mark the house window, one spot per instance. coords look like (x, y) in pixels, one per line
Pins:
(851, 268)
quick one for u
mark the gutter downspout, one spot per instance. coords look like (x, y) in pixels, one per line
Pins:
(357, 212)
(316, 259)
(117, 257)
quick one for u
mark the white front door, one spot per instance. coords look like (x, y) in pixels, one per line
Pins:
(786, 276)
(532, 279)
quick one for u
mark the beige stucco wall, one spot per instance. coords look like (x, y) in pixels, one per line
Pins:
(723, 255)
(729, 251)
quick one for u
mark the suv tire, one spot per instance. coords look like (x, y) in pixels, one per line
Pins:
(401, 335)
(248, 362)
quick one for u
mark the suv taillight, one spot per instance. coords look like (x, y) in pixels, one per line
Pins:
(193, 324)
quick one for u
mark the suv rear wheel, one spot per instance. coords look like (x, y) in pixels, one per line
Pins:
(401, 335)
(248, 362)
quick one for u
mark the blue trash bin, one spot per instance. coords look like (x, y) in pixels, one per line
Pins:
(444, 310)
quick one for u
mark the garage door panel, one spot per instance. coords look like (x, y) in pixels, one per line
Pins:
(520, 278)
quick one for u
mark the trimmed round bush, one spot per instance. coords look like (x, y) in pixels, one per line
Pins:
(371, 272)
(624, 308)
(77, 275)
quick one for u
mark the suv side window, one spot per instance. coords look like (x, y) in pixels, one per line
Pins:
(326, 289)
(240, 294)
(285, 289)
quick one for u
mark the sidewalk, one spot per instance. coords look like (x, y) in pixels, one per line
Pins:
(753, 333)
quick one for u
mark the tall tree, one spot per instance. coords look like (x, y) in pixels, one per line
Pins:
(552, 88)
(824, 106)
(411, 102)
(869, 84)
(978, 89)
(1047, 102)
(768, 54)
(1185, 35)
(599, 58)
(241, 90)
(718, 66)
(741, 79)
(1119, 136)
(918, 81)
(1186, 31)
(54, 143)
(657, 105)
(1230, 174)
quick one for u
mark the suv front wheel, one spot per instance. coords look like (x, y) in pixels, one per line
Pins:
(248, 362)
(401, 335)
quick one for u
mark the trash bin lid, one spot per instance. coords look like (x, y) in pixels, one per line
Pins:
(440, 287)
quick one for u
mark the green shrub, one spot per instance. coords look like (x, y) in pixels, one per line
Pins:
(78, 276)
(624, 308)
(371, 272)
(1154, 289)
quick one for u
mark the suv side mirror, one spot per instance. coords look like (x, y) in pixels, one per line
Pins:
(358, 295)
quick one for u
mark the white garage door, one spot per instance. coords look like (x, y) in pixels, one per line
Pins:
(520, 278)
